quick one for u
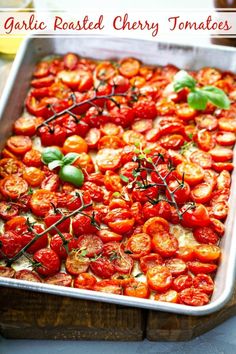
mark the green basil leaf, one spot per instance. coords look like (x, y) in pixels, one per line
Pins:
(70, 158)
(54, 164)
(216, 96)
(50, 154)
(183, 79)
(197, 100)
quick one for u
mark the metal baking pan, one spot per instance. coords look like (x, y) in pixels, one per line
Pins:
(158, 53)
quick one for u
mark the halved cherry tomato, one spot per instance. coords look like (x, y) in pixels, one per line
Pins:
(165, 244)
(185, 253)
(120, 220)
(205, 235)
(182, 282)
(51, 183)
(75, 143)
(169, 296)
(71, 61)
(108, 159)
(192, 172)
(137, 289)
(221, 154)
(13, 186)
(25, 126)
(201, 158)
(29, 275)
(204, 283)
(32, 158)
(198, 267)
(150, 261)
(92, 138)
(43, 81)
(108, 286)
(139, 245)
(201, 193)
(19, 144)
(113, 142)
(225, 138)
(76, 263)
(102, 267)
(174, 141)
(137, 81)
(61, 279)
(108, 236)
(91, 244)
(220, 166)
(8, 211)
(185, 112)
(208, 76)
(227, 124)
(129, 67)
(205, 140)
(159, 278)
(111, 129)
(142, 125)
(33, 176)
(41, 202)
(217, 226)
(133, 137)
(11, 244)
(42, 69)
(176, 266)
(206, 121)
(193, 297)
(85, 281)
(9, 166)
(220, 210)
(155, 225)
(207, 253)
(105, 71)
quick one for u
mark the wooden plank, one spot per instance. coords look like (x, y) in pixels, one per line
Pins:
(162, 326)
(31, 315)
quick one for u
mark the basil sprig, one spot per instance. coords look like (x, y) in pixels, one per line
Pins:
(53, 157)
(199, 97)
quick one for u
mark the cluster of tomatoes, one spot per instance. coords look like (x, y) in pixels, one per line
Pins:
(142, 175)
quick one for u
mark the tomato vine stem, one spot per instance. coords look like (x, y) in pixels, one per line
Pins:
(64, 217)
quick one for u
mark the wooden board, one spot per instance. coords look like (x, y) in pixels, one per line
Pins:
(30, 315)
(162, 326)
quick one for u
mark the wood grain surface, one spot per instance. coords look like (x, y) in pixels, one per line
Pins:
(31, 315)
(162, 326)
(25, 314)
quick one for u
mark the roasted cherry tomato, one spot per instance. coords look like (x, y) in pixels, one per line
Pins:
(13, 187)
(49, 262)
(159, 278)
(195, 216)
(41, 202)
(19, 144)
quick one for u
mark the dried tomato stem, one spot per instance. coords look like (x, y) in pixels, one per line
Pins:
(78, 104)
(37, 236)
